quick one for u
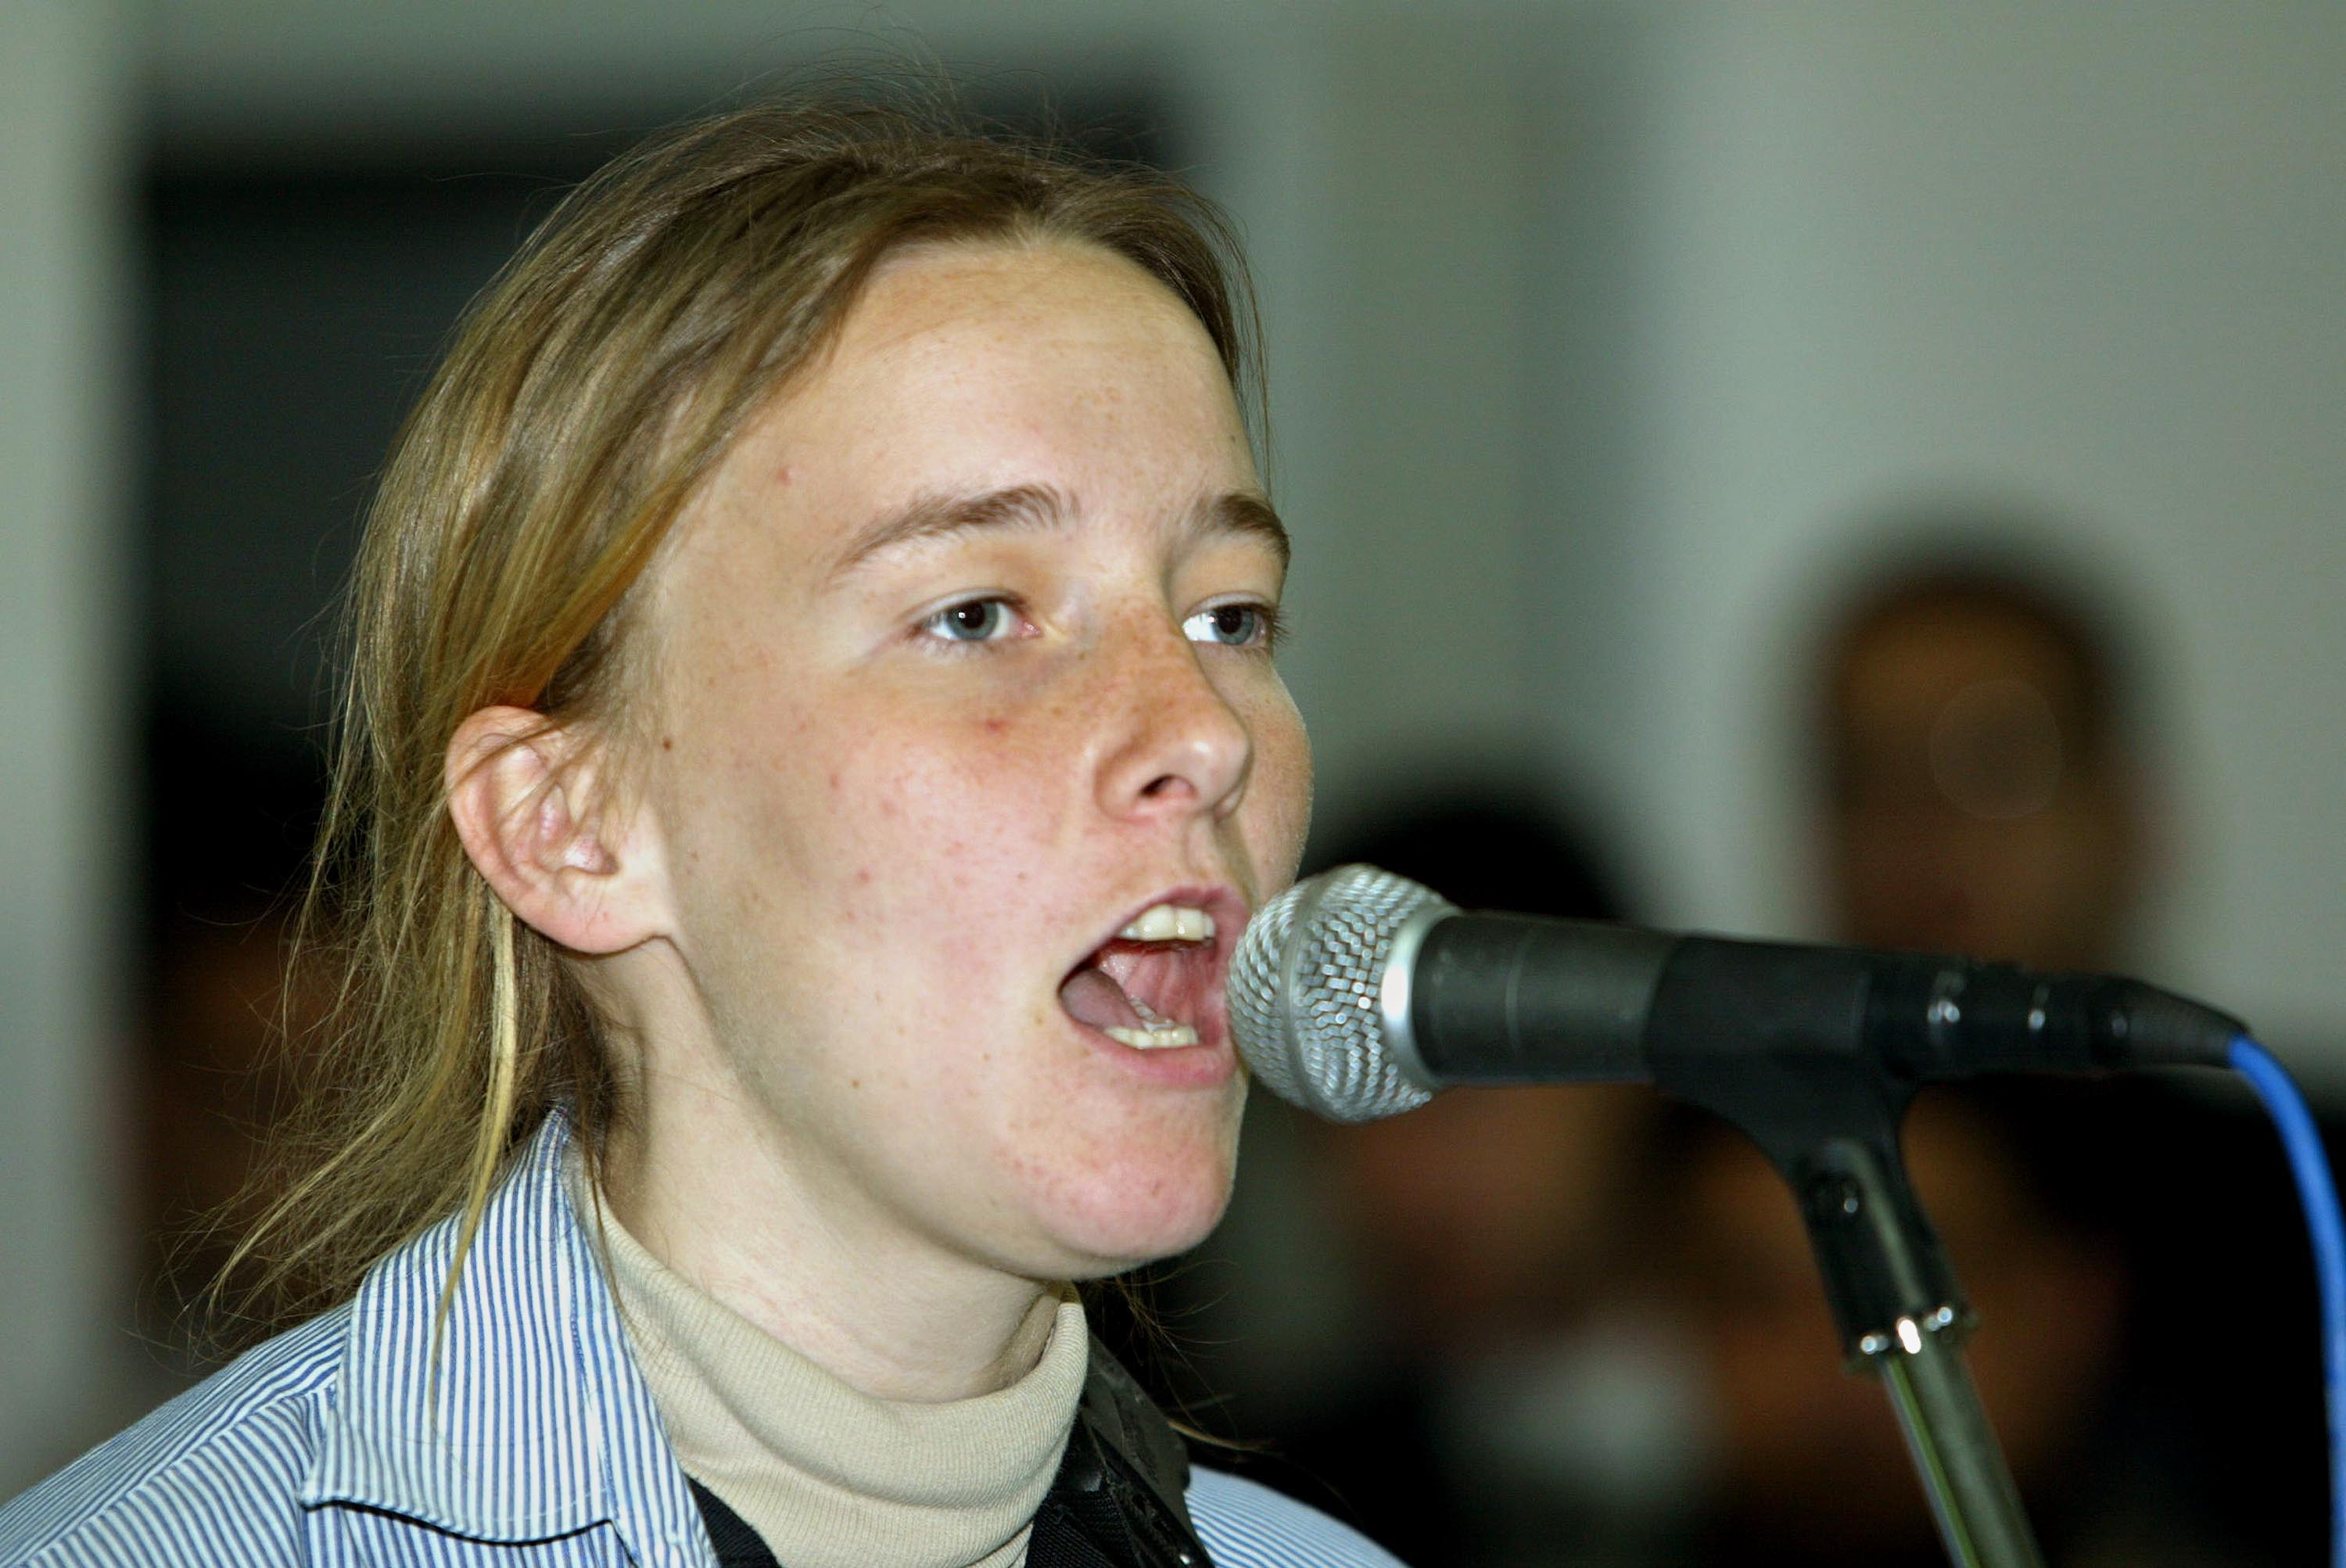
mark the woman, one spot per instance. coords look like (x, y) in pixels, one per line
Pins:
(811, 745)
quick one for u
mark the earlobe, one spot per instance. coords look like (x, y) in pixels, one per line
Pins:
(526, 799)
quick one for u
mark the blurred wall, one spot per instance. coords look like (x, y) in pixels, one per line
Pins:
(1592, 328)
(65, 102)
(2090, 256)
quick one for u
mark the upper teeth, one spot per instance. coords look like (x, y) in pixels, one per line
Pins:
(1170, 922)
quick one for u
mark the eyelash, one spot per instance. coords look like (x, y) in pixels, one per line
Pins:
(1272, 624)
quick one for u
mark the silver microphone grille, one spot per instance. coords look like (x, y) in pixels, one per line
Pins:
(1305, 1003)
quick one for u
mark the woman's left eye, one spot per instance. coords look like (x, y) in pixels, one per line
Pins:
(973, 621)
(1235, 625)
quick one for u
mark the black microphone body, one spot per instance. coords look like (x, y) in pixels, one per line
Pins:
(1516, 999)
(1359, 994)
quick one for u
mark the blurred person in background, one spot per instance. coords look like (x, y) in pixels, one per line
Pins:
(1981, 787)
(1980, 791)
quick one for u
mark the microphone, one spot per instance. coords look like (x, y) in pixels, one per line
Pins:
(1359, 993)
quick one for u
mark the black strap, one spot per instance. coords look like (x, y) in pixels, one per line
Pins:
(1122, 1486)
(1101, 1514)
(737, 1545)
(1117, 1500)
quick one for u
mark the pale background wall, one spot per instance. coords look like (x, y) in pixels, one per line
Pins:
(2095, 255)
(1593, 328)
(64, 104)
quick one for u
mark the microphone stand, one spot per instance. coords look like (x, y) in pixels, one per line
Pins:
(1827, 1114)
(1869, 1231)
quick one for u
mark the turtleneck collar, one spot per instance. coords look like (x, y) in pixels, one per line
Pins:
(829, 1476)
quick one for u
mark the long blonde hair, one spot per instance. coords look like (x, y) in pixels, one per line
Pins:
(588, 392)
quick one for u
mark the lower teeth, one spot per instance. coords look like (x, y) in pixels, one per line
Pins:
(1155, 1038)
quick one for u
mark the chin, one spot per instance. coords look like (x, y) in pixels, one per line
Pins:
(1122, 1215)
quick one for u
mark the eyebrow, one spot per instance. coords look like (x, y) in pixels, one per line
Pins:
(1237, 511)
(1247, 513)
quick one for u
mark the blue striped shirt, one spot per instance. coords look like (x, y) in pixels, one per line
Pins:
(533, 1440)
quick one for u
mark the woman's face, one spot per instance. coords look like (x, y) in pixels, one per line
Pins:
(963, 668)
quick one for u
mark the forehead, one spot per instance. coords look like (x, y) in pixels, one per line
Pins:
(970, 369)
(961, 332)
(973, 294)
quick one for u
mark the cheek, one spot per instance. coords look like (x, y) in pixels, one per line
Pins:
(948, 815)
(1278, 797)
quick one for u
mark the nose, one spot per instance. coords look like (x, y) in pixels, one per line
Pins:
(1174, 745)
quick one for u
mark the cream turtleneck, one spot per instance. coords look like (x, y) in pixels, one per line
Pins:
(831, 1478)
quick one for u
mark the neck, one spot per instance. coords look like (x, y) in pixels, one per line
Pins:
(815, 1263)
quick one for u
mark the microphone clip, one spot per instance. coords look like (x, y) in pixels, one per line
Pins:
(1769, 1041)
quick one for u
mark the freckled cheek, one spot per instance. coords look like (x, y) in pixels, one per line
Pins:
(1278, 797)
(958, 826)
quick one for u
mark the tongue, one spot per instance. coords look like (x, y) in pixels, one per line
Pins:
(1091, 997)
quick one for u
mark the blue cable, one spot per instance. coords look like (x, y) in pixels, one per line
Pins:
(2318, 1193)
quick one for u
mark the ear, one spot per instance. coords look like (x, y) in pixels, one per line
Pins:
(529, 805)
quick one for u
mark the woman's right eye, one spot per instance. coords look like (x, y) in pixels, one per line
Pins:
(973, 621)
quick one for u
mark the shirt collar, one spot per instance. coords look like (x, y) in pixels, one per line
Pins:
(532, 1421)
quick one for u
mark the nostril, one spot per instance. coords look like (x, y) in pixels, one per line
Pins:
(1174, 746)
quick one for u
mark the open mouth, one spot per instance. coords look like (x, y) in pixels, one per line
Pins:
(1155, 985)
